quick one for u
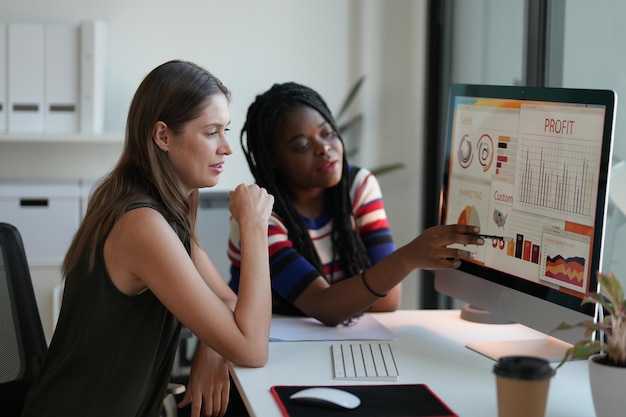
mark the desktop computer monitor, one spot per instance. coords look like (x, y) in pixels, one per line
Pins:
(530, 166)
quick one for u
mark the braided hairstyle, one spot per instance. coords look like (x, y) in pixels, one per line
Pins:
(264, 119)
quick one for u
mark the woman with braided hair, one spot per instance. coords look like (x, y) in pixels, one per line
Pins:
(332, 256)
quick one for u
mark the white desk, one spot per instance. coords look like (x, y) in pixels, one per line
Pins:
(429, 349)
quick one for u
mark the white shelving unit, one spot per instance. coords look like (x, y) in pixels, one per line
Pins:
(36, 157)
(40, 158)
(62, 138)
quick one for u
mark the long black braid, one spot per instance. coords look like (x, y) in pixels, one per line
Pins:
(264, 117)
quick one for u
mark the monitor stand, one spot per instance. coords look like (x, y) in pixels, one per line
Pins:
(546, 347)
(480, 315)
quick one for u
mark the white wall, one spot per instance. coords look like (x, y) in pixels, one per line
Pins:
(393, 35)
(248, 44)
(251, 44)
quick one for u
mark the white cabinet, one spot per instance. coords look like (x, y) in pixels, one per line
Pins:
(61, 138)
(40, 162)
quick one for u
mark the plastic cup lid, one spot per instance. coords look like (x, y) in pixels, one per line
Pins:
(523, 367)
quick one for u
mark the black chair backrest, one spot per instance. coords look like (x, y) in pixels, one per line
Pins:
(22, 341)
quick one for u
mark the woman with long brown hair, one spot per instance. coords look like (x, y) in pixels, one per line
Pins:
(135, 270)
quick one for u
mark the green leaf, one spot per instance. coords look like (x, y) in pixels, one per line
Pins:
(386, 168)
(586, 349)
(346, 126)
(612, 288)
(613, 326)
(581, 350)
(351, 95)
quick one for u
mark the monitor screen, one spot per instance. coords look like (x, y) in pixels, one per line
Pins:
(530, 166)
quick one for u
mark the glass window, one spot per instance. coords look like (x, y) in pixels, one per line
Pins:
(593, 57)
(487, 42)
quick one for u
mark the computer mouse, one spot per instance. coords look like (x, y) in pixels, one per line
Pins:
(327, 397)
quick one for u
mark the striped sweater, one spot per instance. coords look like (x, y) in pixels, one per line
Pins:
(291, 273)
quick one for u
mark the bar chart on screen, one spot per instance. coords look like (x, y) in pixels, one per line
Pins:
(556, 176)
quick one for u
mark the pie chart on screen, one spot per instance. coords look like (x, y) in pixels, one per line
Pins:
(469, 215)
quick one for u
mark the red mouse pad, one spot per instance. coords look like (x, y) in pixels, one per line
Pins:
(408, 400)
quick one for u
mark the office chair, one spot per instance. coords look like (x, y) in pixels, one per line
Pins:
(22, 340)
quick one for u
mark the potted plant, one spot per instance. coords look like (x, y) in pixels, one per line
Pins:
(351, 129)
(606, 352)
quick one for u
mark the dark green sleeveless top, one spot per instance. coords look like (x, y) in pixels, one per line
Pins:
(111, 354)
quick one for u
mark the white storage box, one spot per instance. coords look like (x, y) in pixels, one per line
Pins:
(47, 216)
(85, 189)
(213, 224)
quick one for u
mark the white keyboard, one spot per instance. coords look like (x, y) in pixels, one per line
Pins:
(364, 361)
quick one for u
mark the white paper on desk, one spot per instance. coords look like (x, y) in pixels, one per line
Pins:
(293, 329)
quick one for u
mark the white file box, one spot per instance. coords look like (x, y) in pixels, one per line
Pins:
(92, 73)
(4, 82)
(213, 224)
(62, 78)
(26, 77)
(47, 216)
(85, 189)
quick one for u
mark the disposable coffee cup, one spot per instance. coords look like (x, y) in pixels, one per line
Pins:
(522, 384)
